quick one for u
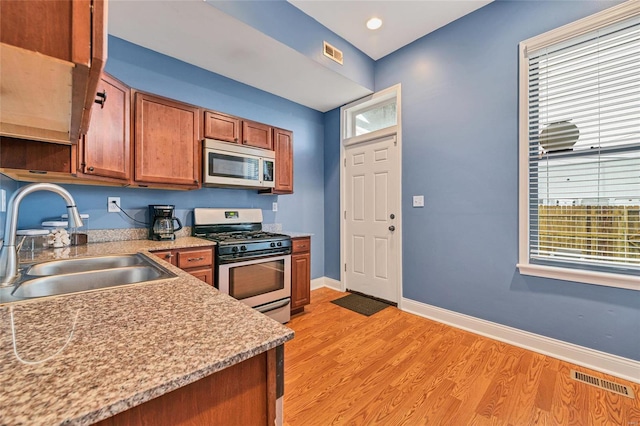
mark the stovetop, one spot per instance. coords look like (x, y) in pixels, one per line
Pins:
(244, 237)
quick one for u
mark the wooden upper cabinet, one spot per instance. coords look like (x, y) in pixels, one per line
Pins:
(222, 127)
(105, 149)
(283, 146)
(257, 135)
(52, 55)
(167, 146)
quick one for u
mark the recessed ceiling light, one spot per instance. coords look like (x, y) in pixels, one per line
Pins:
(374, 23)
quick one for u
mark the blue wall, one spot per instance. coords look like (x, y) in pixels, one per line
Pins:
(284, 22)
(332, 194)
(460, 149)
(147, 70)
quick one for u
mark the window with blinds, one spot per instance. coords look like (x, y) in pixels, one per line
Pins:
(582, 147)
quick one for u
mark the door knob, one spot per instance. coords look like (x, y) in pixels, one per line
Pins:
(392, 228)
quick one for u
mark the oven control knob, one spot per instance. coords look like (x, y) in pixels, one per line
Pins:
(243, 248)
(279, 244)
(272, 245)
(234, 249)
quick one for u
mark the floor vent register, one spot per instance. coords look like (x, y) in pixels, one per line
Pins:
(602, 384)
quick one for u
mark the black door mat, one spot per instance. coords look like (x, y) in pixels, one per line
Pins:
(361, 304)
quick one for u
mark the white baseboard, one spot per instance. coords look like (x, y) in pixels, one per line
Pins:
(618, 366)
(326, 282)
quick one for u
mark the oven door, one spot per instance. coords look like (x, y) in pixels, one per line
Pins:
(257, 282)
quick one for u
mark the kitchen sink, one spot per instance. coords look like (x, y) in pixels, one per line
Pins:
(70, 266)
(60, 277)
(91, 280)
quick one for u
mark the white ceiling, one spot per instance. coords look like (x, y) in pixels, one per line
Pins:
(402, 21)
(199, 34)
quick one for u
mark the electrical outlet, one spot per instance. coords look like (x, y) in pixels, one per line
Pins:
(274, 207)
(418, 201)
(113, 205)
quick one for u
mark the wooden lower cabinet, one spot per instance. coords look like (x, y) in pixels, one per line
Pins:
(242, 394)
(196, 261)
(300, 274)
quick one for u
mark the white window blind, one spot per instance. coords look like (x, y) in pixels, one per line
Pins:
(584, 150)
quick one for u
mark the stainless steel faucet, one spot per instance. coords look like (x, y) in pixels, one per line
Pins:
(9, 253)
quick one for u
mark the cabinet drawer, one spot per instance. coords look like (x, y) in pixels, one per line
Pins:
(195, 258)
(300, 245)
(166, 255)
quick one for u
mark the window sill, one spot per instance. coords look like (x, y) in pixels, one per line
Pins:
(588, 277)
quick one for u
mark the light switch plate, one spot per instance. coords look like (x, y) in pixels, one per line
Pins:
(3, 200)
(418, 201)
(274, 207)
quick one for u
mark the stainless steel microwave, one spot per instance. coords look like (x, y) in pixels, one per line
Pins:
(231, 165)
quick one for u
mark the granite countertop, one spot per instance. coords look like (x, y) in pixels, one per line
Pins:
(80, 358)
(297, 234)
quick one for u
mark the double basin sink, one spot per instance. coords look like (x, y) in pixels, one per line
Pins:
(60, 277)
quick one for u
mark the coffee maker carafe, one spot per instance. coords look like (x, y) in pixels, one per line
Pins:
(161, 219)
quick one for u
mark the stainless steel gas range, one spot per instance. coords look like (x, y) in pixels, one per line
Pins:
(251, 265)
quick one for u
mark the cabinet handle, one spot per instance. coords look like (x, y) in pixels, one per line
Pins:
(102, 98)
(244, 142)
(235, 140)
(168, 256)
(91, 169)
(194, 259)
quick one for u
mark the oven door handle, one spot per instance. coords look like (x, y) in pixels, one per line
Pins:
(272, 306)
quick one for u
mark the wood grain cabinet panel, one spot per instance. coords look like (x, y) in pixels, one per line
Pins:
(222, 127)
(196, 261)
(105, 149)
(283, 146)
(167, 146)
(300, 274)
(48, 37)
(194, 258)
(257, 134)
(242, 394)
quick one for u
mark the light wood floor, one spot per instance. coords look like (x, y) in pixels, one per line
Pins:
(393, 368)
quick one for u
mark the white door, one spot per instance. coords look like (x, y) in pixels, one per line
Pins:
(372, 200)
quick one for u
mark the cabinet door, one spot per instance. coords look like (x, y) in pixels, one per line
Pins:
(204, 274)
(257, 134)
(166, 255)
(167, 146)
(105, 148)
(221, 127)
(283, 146)
(44, 98)
(300, 280)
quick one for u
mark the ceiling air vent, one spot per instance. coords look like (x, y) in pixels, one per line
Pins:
(602, 384)
(332, 52)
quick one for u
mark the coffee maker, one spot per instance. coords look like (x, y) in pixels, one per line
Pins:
(161, 219)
